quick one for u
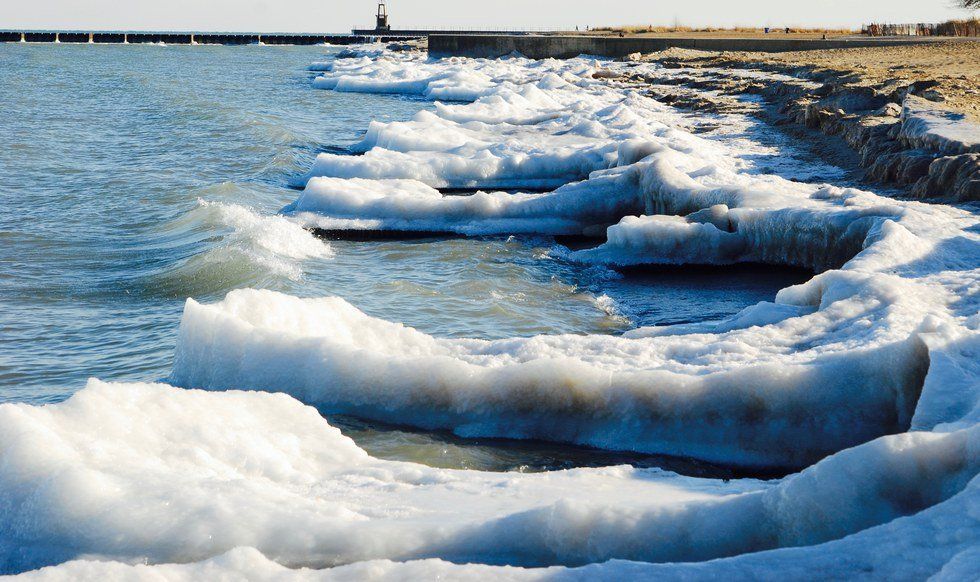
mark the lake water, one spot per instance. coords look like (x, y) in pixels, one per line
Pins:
(134, 177)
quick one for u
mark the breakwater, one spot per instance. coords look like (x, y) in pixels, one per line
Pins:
(563, 47)
(119, 37)
(420, 32)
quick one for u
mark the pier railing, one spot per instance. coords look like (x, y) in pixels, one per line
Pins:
(191, 38)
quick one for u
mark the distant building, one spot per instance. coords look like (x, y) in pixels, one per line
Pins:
(382, 25)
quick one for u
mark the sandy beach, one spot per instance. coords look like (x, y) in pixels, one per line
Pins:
(951, 66)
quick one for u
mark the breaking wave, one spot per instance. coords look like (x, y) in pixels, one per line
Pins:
(248, 249)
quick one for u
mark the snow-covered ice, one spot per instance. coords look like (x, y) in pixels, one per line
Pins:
(926, 124)
(136, 472)
(748, 396)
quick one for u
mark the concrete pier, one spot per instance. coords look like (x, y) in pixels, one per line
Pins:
(422, 32)
(563, 47)
(212, 38)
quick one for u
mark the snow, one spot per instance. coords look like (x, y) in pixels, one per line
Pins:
(864, 379)
(929, 125)
(413, 206)
(150, 473)
(745, 397)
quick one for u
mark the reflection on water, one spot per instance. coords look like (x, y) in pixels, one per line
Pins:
(447, 451)
(133, 177)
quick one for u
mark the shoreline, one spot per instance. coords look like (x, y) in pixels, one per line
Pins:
(566, 46)
(908, 128)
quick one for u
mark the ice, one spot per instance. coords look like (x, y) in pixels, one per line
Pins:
(506, 153)
(526, 124)
(881, 341)
(454, 79)
(832, 363)
(754, 396)
(411, 205)
(929, 125)
(149, 473)
(548, 125)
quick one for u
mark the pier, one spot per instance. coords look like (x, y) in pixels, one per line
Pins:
(423, 32)
(191, 38)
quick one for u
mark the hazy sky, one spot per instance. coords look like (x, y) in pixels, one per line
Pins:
(341, 15)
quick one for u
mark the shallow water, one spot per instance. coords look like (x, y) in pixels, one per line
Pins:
(133, 177)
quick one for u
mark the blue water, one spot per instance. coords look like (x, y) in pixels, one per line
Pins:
(107, 152)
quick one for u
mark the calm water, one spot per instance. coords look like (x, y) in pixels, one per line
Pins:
(108, 154)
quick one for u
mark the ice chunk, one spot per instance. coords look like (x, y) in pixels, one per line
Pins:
(781, 395)
(409, 205)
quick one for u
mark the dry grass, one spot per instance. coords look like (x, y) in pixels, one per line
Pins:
(969, 27)
(635, 30)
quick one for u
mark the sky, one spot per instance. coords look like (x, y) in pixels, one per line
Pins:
(341, 15)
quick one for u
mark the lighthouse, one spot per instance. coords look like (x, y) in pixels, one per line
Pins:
(382, 25)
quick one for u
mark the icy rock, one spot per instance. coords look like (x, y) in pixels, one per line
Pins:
(890, 110)
(716, 215)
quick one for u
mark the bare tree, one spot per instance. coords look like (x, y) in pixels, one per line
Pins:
(969, 4)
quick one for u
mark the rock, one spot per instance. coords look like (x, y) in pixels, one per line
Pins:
(933, 95)
(951, 177)
(401, 47)
(890, 110)
(606, 74)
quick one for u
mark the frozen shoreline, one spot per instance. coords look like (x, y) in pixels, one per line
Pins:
(883, 340)
(906, 113)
